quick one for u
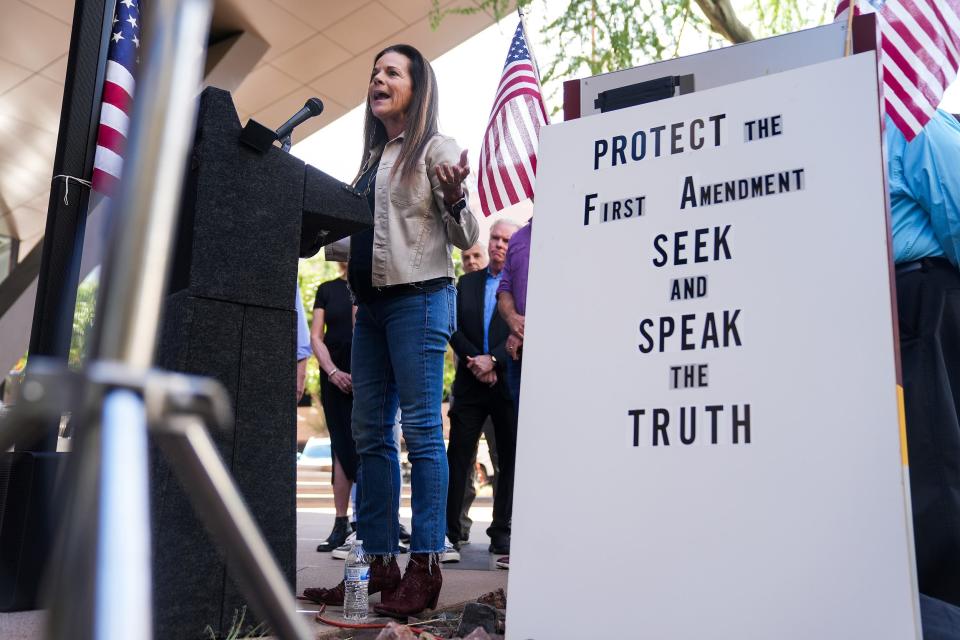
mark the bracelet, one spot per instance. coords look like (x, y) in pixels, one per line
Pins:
(335, 370)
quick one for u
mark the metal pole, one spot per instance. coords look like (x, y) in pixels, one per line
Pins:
(147, 206)
(123, 597)
(76, 144)
(145, 211)
(145, 215)
(59, 271)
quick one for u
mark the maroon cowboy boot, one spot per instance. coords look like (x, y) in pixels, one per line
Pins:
(419, 589)
(384, 577)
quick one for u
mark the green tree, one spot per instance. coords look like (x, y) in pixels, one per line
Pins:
(599, 36)
(310, 275)
(83, 316)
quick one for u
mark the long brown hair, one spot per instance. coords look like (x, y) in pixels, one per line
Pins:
(421, 114)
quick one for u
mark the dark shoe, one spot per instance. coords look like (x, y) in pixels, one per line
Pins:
(341, 529)
(503, 563)
(419, 589)
(384, 577)
(451, 552)
(404, 535)
(341, 552)
(500, 545)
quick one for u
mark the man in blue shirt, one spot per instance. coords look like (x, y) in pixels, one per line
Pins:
(303, 345)
(924, 182)
(480, 391)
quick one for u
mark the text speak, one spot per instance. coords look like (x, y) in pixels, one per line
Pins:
(690, 331)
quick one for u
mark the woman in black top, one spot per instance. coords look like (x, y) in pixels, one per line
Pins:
(330, 336)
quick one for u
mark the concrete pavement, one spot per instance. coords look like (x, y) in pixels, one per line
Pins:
(474, 576)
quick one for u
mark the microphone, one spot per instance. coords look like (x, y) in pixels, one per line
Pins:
(313, 107)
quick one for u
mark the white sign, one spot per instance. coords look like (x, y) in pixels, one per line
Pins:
(709, 444)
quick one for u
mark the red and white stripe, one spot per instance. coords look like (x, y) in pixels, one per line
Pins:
(919, 55)
(508, 156)
(114, 125)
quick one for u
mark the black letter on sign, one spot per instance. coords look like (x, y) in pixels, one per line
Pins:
(588, 207)
(675, 137)
(662, 260)
(745, 423)
(619, 146)
(686, 331)
(693, 426)
(710, 332)
(689, 194)
(646, 336)
(661, 418)
(712, 410)
(656, 139)
(720, 242)
(696, 141)
(679, 246)
(730, 327)
(636, 413)
(642, 137)
(716, 128)
(599, 150)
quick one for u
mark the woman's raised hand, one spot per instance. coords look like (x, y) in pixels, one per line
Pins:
(451, 177)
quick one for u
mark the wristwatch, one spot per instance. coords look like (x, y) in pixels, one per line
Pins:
(457, 207)
(494, 359)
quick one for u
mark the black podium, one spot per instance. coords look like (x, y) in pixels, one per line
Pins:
(248, 214)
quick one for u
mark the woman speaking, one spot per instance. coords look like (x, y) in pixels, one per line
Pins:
(401, 275)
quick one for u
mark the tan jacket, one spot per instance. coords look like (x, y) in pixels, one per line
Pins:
(412, 229)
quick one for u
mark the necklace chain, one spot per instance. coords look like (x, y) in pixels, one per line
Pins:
(369, 173)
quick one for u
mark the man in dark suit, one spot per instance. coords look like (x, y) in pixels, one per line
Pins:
(480, 391)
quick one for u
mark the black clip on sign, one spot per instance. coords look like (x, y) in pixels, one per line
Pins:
(643, 92)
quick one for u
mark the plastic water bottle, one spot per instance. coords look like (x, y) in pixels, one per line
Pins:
(356, 580)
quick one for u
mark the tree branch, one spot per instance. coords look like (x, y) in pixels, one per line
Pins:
(724, 21)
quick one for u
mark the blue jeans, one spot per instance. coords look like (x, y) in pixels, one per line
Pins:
(399, 345)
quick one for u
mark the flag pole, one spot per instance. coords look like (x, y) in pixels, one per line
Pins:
(523, 25)
(533, 57)
(848, 45)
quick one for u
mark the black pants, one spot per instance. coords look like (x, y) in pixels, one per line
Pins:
(469, 411)
(338, 412)
(470, 490)
(928, 302)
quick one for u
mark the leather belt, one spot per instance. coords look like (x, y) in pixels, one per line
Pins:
(923, 264)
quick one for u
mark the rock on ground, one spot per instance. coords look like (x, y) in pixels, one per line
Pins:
(394, 631)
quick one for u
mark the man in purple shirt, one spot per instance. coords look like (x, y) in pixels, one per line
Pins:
(512, 303)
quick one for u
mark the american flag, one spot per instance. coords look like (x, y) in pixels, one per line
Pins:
(508, 156)
(920, 53)
(118, 86)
